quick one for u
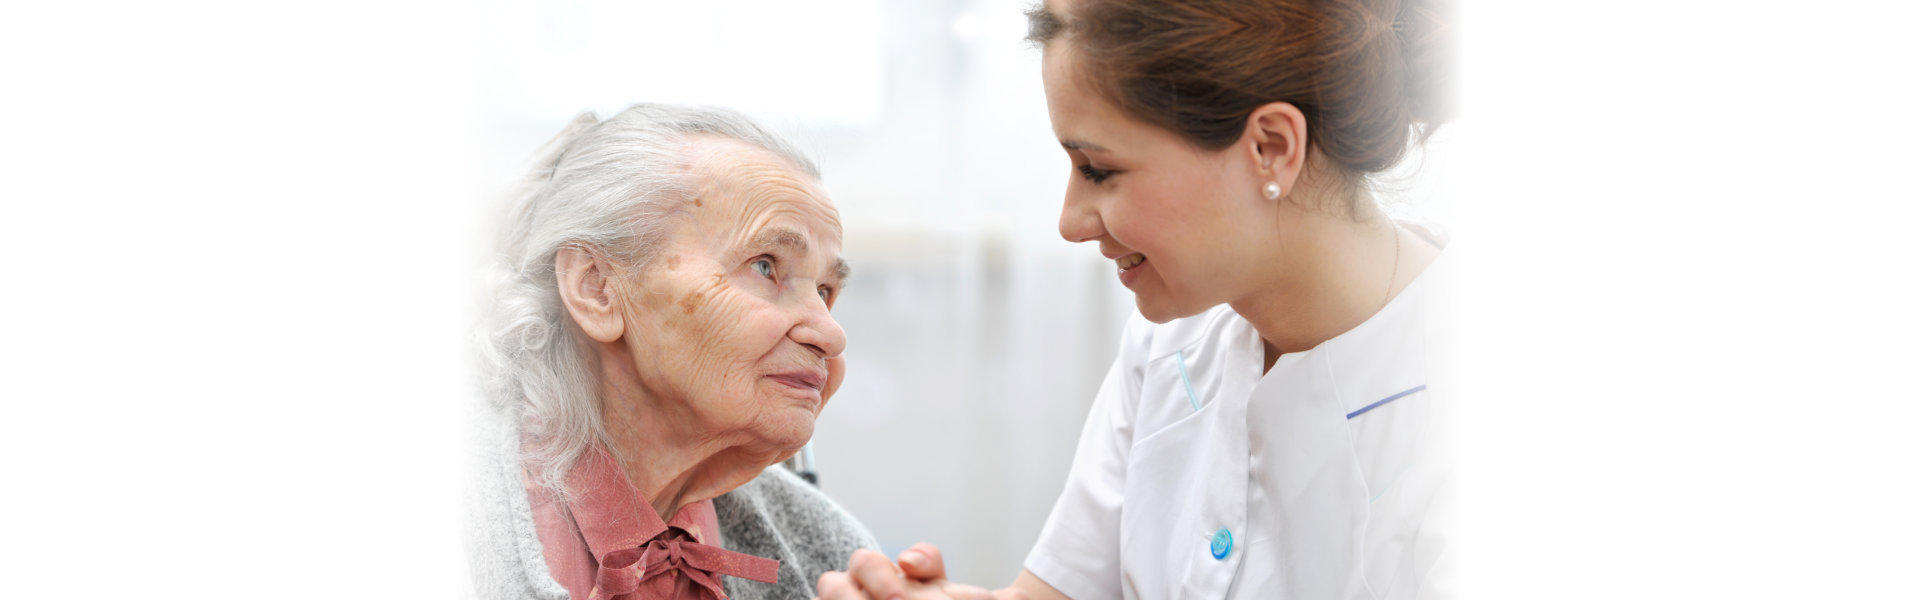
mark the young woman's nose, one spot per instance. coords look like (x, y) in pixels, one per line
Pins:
(1078, 221)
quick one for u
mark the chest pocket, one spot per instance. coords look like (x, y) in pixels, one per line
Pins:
(1186, 479)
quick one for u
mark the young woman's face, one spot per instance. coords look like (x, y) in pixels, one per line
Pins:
(1175, 219)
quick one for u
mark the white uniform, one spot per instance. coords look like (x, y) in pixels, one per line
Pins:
(1322, 479)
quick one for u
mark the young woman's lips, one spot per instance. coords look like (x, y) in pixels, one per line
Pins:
(1130, 267)
(805, 380)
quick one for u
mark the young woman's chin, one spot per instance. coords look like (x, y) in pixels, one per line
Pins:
(1159, 307)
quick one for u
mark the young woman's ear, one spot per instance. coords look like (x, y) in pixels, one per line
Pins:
(585, 290)
(1277, 142)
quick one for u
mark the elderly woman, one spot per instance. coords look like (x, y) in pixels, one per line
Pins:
(660, 337)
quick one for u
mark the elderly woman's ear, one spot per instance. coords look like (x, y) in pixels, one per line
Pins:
(586, 290)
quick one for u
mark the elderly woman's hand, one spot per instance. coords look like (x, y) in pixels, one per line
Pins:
(921, 574)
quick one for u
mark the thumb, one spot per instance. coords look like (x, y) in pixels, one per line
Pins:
(923, 562)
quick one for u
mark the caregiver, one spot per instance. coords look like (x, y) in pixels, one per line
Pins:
(1267, 430)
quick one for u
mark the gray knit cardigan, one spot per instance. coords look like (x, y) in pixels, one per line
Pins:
(777, 516)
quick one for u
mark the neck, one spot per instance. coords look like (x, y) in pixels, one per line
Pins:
(1339, 272)
(662, 450)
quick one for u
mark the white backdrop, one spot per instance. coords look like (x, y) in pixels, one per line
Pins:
(239, 242)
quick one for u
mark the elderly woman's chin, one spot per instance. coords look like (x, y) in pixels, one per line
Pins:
(787, 436)
(790, 400)
(785, 429)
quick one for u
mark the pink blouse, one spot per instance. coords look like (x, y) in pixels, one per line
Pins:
(609, 544)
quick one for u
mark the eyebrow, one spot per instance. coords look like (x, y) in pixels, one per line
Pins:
(1042, 24)
(1081, 145)
(782, 237)
(841, 271)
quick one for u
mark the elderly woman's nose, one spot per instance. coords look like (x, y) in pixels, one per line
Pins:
(820, 333)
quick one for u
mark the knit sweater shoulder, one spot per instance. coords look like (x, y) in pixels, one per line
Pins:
(777, 515)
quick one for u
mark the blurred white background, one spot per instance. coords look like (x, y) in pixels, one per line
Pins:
(240, 242)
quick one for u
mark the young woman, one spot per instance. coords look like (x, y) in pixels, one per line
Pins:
(1268, 430)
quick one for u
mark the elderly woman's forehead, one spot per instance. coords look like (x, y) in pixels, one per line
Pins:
(723, 168)
(717, 156)
(747, 183)
(728, 170)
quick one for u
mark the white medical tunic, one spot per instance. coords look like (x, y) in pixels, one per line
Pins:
(1197, 476)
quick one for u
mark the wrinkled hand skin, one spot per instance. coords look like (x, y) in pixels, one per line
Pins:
(920, 575)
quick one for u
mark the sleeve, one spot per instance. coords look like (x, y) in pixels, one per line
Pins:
(1078, 551)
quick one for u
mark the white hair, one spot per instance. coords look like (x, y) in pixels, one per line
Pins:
(614, 187)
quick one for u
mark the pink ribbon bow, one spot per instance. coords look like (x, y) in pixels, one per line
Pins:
(675, 566)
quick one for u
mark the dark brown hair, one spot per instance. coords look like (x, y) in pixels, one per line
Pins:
(1370, 75)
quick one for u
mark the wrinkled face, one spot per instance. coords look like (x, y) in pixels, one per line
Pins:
(1175, 219)
(730, 326)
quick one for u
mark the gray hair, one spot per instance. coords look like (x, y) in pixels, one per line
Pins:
(612, 186)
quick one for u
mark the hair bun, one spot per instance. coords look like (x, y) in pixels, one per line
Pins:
(1428, 44)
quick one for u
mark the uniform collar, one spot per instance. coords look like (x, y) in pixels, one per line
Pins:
(1383, 356)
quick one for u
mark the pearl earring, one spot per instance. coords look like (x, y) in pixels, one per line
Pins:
(1272, 190)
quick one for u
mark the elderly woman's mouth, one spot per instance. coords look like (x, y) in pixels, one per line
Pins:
(806, 380)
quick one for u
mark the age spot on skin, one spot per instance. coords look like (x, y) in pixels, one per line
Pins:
(700, 297)
(691, 302)
(673, 262)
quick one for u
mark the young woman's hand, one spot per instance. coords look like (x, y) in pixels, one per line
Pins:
(920, 574)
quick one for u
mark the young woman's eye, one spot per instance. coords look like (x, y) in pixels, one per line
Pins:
(1089, 173)
(763, 266)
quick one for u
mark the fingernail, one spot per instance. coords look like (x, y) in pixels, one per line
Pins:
(916, 558)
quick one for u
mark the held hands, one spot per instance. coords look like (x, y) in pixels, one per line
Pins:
(921, 574)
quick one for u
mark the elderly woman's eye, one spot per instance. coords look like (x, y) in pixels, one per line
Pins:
(763, 266)
(826, 293)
